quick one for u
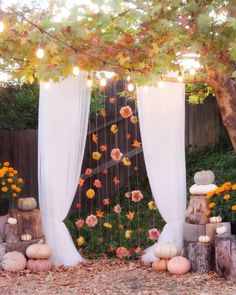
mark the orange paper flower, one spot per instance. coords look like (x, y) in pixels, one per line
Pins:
(130, 215)
(100, 214)
(81, 182)
(112, 100)
(116, 180)
(137, 144)
(95, 138)
(88, 171)
(103, 148)
(106, 202)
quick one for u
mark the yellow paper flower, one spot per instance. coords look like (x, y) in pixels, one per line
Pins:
(226, 197)
(212, 205)
(107, 225)
(90, 193)
(96, 156)
(152, 205)
(114, 128)
(80, 241)
(128, 234)
(233, 208)
(126, 161)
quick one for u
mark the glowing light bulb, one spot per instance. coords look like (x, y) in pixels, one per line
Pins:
(146, 89)
(47, 85)
(192, 71)
(180, 78)
(89, 82)
(40, 53)
(2, 26)
(131, 87)
(160, 84)
(76, 70)
(128, 78)
(103, 82)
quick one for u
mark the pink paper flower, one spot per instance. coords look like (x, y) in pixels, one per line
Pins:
(126, 112)
(153, 234)
(116, 155)
(122, 253)
(136, 196)
(97, 183)
(79, 223)
(91, 220)
(117, 208)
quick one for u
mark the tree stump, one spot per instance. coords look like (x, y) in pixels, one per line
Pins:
(11, 233)
(3, 221)
(2, 252)
(20, 246)
(200, 256)
(211, 229)
(225, 256)
(29, 222)
(193, 231)
(197, 208)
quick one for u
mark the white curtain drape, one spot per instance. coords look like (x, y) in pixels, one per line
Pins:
(63, 120)
(162, 124)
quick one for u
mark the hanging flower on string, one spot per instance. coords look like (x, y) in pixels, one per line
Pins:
(106, 202)
(134, 119)
(117, 209)
(81, 182)
(126, 112)
(105, 171)
(128, 135)
(152, 205)
(136, 196)
(80, 241)
(126, 161)
(97, 183)
(120, 226)
(122, 253)
(90, 193)
(78, 205)
(116, 154)
(130, 215)
(114, 128)
(95, 138)
(96, 156)
(103, 113)
(153, 234)
(91, 220)
(88, 171)
(103, 148)
(100, 214)
(128, 195)
(137, 144)
(128, 234)
(107, 225)
(79, 223)
(116, 180)
(112, 100)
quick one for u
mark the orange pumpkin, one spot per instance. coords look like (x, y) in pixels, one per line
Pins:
(39, 265)
(159, 265)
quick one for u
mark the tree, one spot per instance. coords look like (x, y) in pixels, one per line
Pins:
(145, 39)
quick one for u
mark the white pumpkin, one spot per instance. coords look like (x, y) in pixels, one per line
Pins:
(26, 237)
(204, 239)
(13, 261)
(204, 177)
(12, 220)
(202, 189)
(215, 219)
(39, 251)
(166, 250)
(221, 230)
(26, 204)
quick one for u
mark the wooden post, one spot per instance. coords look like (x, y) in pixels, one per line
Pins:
(211, 229)
(193, 231)
(196, 212)
(3, 221)
(11, 232)
(225, 256)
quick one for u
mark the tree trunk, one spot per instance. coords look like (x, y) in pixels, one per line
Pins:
(225, 90)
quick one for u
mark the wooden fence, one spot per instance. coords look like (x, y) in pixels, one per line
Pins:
(203, 128)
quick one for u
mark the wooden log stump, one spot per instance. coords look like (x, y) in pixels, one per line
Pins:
(3, 221)
(2, 252)
(225, 256)
(193, 231)
(211, 229)
(11, 233)
(20, 246)
(29, 222)
(197, 208)
(200, 255)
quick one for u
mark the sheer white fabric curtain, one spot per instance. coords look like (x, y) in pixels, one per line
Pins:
(63, 121)
(162, 124)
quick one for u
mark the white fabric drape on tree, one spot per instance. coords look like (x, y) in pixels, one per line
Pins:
(63, 121)
(162, 124)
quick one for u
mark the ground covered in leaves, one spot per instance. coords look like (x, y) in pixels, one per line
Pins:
(112, 277)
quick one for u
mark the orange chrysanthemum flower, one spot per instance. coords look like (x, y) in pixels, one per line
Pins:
(227, 197)
(233, 208)
(212, 205)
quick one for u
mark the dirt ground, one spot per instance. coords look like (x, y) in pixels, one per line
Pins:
(112, 277)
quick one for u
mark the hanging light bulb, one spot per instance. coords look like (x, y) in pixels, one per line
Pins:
(131, 87)
(89, 82)
(103, 82)
(192, 71)
(180, 77)
(47, 85)
(160, 84)
(40, 53)
(2, 26)
(76, 70)
(128, 78)
(145, 88)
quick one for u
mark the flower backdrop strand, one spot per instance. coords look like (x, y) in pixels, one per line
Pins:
(63, 119)
(161, 114)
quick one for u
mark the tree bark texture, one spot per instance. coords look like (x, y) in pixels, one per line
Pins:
(3, 221)
(193, 231)
(196, 212)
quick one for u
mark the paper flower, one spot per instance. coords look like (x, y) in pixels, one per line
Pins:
(79, 223)
(117, 208)
(100, 214)
(128, 135)
(80, 241)
(122, 253)
(136, 196)
(105, 171)
(103, 148)
(152, 205)
(126, 161)
(116, 180)
(78, 205)
(94, 138)
(134, 119)
(91, 220)
(96, 156)
(121, 226)
(116, 154)
(128, 195)
(106, 202)
(103, 113)
(90, 193)
(137, 144)
(112, 100)
(88, 171)
(107, 225)
(130, 215)
(97, 183)
(153, 234)
(81, 182)
(126, 112)
(100, 240)
(128, 234)
(114, 128)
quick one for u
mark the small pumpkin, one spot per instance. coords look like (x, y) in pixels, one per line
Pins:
(201, 189)
(204, 239)
(13, 261)
(26, 237)
(159, 265)
(166, 250)
(221, 230)
(39, 265)
(12, 220)
(26, 204)
(204, 177)
(39, 251)
(178, 265)
(215, 219)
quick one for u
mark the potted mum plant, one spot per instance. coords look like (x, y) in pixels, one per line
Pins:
(10, 186)
(222, 202)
